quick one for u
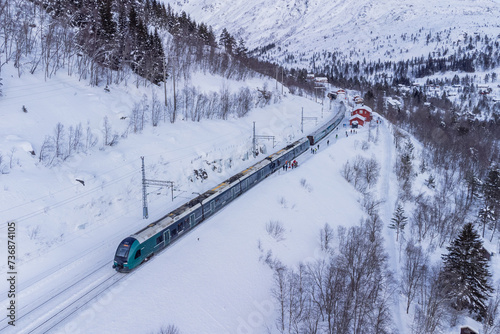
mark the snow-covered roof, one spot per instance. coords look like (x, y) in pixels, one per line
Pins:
(360, 117)
(394, 103)
(363, 107)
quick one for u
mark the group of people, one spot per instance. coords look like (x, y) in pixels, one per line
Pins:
(352, 131)
(290, 164)
(315, 149)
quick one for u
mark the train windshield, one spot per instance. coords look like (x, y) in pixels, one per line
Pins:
(123, 250)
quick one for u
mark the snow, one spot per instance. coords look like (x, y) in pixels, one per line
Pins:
(214, 279)
(214, 274)
(357, 29)
(65, 229)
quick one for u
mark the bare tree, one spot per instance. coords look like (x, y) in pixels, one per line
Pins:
(371, 171)
(90, 139)
(106, 131)
(46, 150)
(491, 321)
(326, 236)
(415, 266)
(276, 230)
(170, 329)
(59, 137)
(279, 292)
(135, 118)
(224, 102)
(245, 101)
(431, 309)
(155, 109)
(347, 172)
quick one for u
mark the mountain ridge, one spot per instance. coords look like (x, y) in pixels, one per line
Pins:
(303, 28)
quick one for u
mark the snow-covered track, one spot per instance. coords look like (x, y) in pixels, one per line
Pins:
(53, 311)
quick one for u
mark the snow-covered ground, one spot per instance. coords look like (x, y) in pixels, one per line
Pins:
(214, 279)
(370, 29)
(65, 229)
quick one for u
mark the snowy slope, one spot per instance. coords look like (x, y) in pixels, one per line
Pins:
(214, 280)
(372, 28)
(64, 229)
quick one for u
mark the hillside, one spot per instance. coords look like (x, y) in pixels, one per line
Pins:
(350, 241)
(360, 29)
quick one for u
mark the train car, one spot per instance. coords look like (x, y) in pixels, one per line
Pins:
(324, 130)
(143, 244)
(148, 241)
(288, 153)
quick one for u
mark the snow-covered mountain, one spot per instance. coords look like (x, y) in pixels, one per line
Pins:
(360, 29)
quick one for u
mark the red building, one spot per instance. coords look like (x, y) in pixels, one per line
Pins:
(360, 115)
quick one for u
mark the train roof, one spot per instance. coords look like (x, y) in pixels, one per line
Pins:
(152, 229)
(330, 123)
(162, 223)
(278, 154)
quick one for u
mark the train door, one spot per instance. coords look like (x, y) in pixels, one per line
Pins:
(192, 221)
(212, 207)
(166, 237)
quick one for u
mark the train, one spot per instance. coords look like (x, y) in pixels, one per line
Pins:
(142, 245)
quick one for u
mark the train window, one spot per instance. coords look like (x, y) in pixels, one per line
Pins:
(159, 240)
(180, 227)
(137, 254)
(174, 232)
(123, 250)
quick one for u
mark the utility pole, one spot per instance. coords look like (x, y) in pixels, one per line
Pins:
(306, 118)
(302, 121)
(165, 79)
(175, 99)
(282, 70)
(316, 93)
(144, 193)
(253, 141)
(146, 183)
(255, 137)
(276, 78)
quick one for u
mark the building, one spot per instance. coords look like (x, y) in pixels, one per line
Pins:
(467, 330)
(332, 95)
(360, 115)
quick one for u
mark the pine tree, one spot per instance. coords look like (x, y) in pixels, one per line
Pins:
(465, 274)
(241, 50)
(398, 221)
(227, 41)
(491, 186)
(107, 28)
(491, 198)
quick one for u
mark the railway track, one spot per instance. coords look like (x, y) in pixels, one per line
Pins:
(50, 312)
